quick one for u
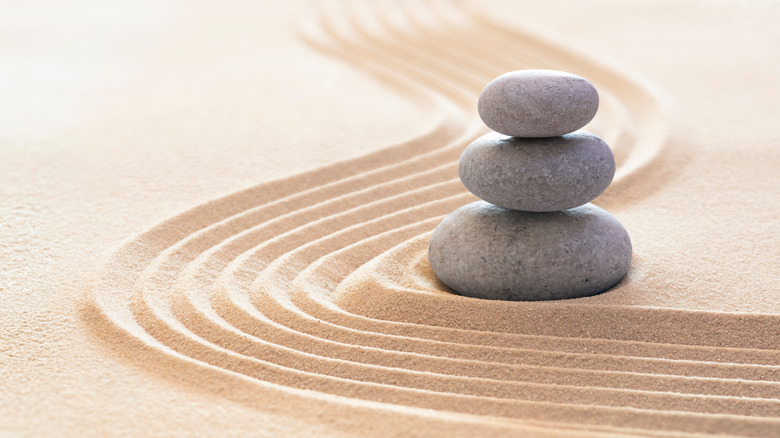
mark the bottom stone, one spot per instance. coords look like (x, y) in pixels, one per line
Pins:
(484, 251)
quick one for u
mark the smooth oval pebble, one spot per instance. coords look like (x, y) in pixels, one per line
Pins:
(537, 174)
(537, 103)
(484, 251)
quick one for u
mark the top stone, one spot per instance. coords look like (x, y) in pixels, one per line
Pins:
(538, 103)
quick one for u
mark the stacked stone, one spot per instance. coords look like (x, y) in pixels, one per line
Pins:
(534, 236)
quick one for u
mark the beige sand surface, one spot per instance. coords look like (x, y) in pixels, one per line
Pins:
(214, 220)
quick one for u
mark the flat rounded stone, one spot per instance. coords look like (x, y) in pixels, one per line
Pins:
(537, 174)
(484, 251)
(537, 103)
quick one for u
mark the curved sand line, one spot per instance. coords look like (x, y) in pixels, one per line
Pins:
(317, 282)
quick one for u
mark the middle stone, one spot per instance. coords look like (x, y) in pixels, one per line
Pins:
(537, 174)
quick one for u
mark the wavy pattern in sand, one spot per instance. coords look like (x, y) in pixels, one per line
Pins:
(319, 283)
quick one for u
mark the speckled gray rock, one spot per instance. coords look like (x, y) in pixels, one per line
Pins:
(484, 251)
(538, 103)
(537, 174)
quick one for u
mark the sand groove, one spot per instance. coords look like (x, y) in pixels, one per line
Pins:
(320, 282)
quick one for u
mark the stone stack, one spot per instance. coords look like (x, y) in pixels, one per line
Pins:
(534, 236)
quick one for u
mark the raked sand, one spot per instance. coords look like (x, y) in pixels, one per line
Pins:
(214, 220)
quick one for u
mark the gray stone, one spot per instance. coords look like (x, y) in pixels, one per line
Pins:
(484, 251)
(537, 174)
(538, 103)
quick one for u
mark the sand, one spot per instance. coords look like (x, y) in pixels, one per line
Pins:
(214, 220)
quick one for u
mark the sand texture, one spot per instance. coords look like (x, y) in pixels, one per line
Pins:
(215, 220)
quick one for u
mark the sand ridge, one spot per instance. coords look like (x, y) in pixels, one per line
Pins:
(318, 282)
